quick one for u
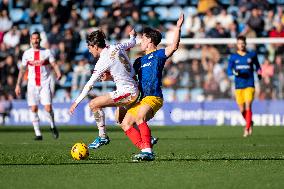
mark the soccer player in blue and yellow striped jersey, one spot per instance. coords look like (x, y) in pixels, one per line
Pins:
(242, 65)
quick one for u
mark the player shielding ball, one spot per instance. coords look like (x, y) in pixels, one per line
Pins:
(112, 59)
(39, 62)
(242, 66)
(149, 70)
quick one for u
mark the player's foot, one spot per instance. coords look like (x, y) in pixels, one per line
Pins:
(38, 138)
(250, 129)
(98, 142)
(246, 133)
(54, 132)
(144, 156)
(154, 140)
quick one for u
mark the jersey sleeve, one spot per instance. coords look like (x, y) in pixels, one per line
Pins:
(256, 63)
(24, 60)
(162, 53)
(99, 69)
(136, 65)
(50, 57)
(230, 66)
(128, 44)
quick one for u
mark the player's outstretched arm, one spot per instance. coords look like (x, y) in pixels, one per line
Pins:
(19, 80)
(131, 42)
(174, 46)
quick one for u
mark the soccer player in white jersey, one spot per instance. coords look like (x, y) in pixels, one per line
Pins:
(112, 59)
(39, 62)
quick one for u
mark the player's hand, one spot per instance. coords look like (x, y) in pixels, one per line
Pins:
(180, 20)
(259, 76)
(236, 72)
(58, 76)
(18, 91)
(72, 108)
(132, 32)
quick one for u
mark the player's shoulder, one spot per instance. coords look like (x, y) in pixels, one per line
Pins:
(252, 53)
(233, 55)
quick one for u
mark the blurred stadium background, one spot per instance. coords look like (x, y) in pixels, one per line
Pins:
(197, 90)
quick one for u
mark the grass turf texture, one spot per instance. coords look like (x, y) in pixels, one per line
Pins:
(186, 157)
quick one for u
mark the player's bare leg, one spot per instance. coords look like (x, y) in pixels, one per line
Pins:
(50, 118)
(35, 122)
(96, 106)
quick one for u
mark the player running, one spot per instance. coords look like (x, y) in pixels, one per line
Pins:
(242, 65)
(149, 70)
(39, 61)
(112, 59)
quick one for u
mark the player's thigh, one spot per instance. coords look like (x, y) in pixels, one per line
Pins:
(239, 95)
(33, 95)
(124, 97)
(101, 102)
(45, 95)
(145, 113)
(249, 97)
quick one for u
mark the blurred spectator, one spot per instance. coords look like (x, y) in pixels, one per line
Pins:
(209, 20)
(81, 74)
(192, 25)
(256, 22)
(225, 19)
(12, 37)
(153, 19)
(5, 22)
(5, 107)
(267, 69)
(279, 76)
(205, 5)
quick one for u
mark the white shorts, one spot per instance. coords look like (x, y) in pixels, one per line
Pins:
(36, 94)
(124, 97)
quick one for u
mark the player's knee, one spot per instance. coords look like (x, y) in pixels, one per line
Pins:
(48, 109)
(34, 109)
(140, 118)
(93, 107)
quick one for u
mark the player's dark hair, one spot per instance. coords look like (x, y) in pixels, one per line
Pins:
(242, 38)
(36, 33)
(97, 38)
(153, 34)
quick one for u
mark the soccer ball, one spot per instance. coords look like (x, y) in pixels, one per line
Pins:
(79, 151)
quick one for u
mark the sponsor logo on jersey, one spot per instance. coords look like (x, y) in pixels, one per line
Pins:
(146, 65)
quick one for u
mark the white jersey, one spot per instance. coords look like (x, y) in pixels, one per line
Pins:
(114, 59)
(38, 63)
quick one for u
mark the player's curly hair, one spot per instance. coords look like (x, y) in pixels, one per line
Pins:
(153, 34)
(97, 38)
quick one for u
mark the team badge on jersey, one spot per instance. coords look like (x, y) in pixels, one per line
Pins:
(151, 56)
(249, 60)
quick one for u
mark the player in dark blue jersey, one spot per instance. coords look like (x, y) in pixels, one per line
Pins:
(242, 65)
(149, 71)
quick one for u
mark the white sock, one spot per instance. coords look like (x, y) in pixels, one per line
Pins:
(35, 122)
(50, 118)
(149, 150)
(100, 120)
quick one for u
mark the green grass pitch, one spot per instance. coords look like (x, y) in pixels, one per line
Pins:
(186, 157)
